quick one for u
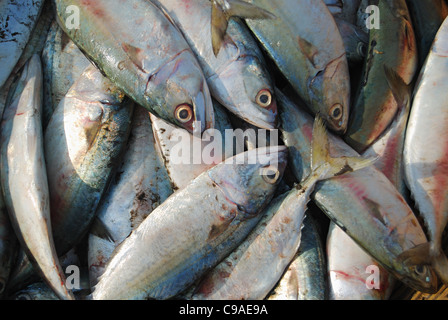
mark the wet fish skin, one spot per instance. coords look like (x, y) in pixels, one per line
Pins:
(350, 267)
(252, 270)
(237, 76)
(344, 9)
(427, 16)
(365, 204)
(323, 81)
(142, 183)
(17, 21)
(186, 235)
(138, 48)
(425, 149)
(306, 276)
(23, 172)
(355, 41)
(63, 63)
(394, 46)
(84, 142)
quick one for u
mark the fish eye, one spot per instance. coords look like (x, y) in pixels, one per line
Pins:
(362, 49)
(336, 111)
(264, 98)
(184, 113)
(270, 174)
(420, 270)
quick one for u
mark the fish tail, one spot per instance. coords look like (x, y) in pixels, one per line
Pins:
(223, 10)
(327, 165)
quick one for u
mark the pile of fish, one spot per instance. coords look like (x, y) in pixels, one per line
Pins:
(342, 193)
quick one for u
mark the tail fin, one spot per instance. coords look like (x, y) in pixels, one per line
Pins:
(320, 155)
(223, 10)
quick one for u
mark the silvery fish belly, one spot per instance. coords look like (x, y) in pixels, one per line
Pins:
(186, 156)
(141, 185)
(194, 229)
(353, 274)
(24, 177)
(237, 75)
(62, 63)
(144, 54)
(313, 62)
(365, 204)
(17, 21)
(306, 275)
(84, 142)
(426, 147)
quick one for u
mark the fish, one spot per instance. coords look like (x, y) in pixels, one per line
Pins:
(314, 63)
(84, 142)
(427, 16)
(140, 185)
(139, 49)
(224, 10)
(353, 274)
(425, 151)
(306, 275)
(365, 203)
(237, 77)
(392, 46)
(251, 271)
(62, 63)
(194, 229)
(186, 156)
(23, 172)
(36, 291)
(17, 21)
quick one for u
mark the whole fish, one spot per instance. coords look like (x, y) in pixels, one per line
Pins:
(84, 142)
(63, 63)
(186, 156)
(141, 185)
(392, 46)
(314, 63)
(194, 229)
(17, 21)
(353, 274)
(427, 16)
(365, 204)
(306, 276)
(139, 49)
(426, 150)
(237, 76)
(24, 177)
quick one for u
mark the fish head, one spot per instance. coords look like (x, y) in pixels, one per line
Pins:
(422, 278)
(181, 91)
(248, 180)
(245, 88)
(330, 89)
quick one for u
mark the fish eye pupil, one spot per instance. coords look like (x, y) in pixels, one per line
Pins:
(183, 114)
(336, 112)
(420, 269)
(264, 98)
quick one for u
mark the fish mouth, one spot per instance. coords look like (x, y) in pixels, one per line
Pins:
(203, 112)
